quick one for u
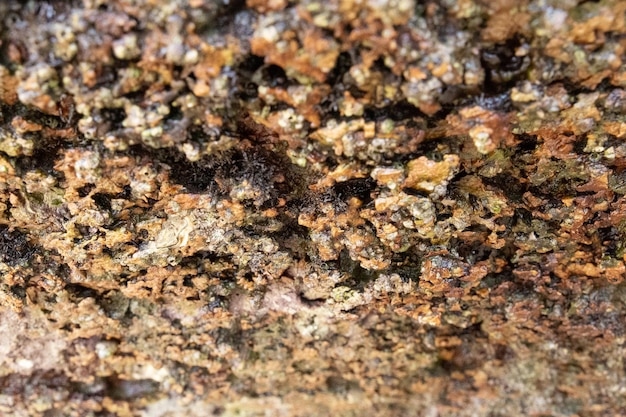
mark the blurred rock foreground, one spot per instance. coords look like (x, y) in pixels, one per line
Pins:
(312, 208)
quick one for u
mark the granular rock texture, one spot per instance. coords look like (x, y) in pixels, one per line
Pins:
(309, 208)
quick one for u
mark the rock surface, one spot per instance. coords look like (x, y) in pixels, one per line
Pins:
(306, 208)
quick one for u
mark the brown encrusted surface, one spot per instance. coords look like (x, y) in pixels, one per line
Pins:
(391, 208)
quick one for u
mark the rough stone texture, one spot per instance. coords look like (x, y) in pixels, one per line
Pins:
(307, 208)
